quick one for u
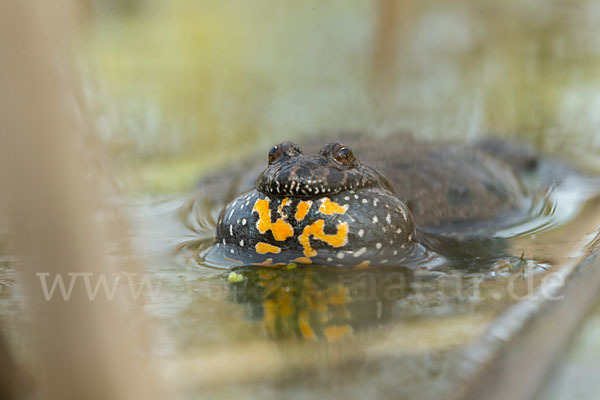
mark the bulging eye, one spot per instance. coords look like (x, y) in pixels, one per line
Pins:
(274, 154)
(343, 154)
(286, 148)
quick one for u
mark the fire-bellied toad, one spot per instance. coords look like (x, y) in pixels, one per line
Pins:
(392, 203)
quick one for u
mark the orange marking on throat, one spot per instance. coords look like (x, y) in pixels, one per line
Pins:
(316, 230)
(281, 229)
(269, 263)
(330, 207)
(303, 260)
(264, 248)
(284, 203)
(266, 263)
(363, 265)
(302, 209)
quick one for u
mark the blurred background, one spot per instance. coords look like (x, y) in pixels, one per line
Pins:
(184, 87)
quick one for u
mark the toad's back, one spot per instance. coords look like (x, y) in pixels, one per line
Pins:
(446, 184)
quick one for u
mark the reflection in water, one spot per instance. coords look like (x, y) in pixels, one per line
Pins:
(315, 303)
(311, 303)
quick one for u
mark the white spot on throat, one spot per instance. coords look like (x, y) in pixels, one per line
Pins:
(360, 252)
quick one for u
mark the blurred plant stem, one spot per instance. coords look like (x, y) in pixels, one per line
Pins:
(391, 20)
(385, 44)
(7, 372)
(54, 199)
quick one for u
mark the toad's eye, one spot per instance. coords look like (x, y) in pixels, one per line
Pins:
(343, 154)
(275, 154)
(286, 148)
